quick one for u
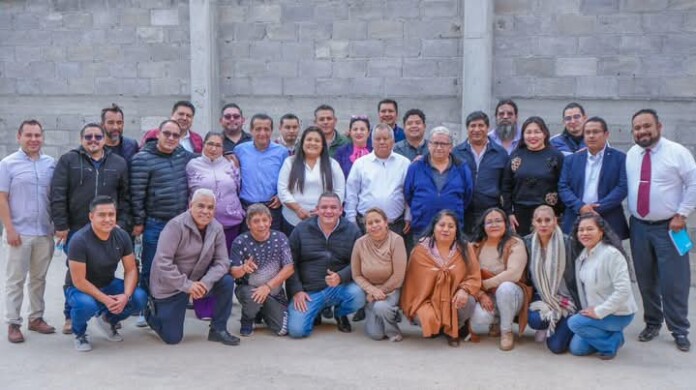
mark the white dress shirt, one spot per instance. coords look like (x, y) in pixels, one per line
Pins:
(376, 182)
(185, 142)
(593, 167)
(313, 187)
(673, 180)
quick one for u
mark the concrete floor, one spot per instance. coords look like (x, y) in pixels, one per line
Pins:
(327, 359)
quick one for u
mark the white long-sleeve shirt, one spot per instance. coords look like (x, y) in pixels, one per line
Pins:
(313, 187)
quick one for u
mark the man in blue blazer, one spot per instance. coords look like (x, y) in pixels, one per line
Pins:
(594, 180)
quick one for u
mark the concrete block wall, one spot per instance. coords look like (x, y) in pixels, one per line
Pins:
(281, 56)
(62, 61)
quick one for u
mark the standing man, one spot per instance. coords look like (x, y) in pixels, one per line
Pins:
(507, 132)
(414, 144)
(191, 263)
(112, 123)
(159, 190)
(325, 119)
(661, 195)
(388, 112)
(593, 180)
(81, 174)
(321, 248)
(25, 178)
(93, 290)
(377, 180)
(571, 139)
(182, 113)
(260, 162)
(232, 122)
(487, 161)
(289, 132)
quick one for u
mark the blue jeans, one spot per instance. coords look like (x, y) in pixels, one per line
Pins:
(151, 233)
(66, 306)
(84, 306)
(559, 341)
(604, 336)
(347, 298)
(169, 313)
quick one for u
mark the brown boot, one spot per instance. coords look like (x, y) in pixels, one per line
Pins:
(67, 327)
(507, 341)
(14, 335)
(40, 326)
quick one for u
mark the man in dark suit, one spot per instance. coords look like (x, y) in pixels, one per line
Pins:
(593, 180)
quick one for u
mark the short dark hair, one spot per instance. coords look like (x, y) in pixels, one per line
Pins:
(231, 105)
(324, 107)
(114, 108)
(388, 101)
(646, 111)
(330, 195)
(184, 103)
(164, 122)
(542, 125)
(288, 117)
(29, 122)
(260, 117)
(213, 134)
(503, 102)
(476, 116)
(90, 125)
(599, 120)
(100, 200)
(573, 105)
(414, 111)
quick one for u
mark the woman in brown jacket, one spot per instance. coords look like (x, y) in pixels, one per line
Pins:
(442, 279)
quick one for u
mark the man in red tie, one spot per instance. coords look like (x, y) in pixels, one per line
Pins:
(661, 195)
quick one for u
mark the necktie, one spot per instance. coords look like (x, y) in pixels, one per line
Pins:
(644, 185)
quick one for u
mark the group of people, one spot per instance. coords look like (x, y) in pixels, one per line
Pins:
(510, 226)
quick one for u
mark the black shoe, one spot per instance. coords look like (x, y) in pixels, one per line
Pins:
(359, 315)
(464, 331)
(649, 333)
(683, 343)
(453, 341)
(343, 324)
(317, 320)
(222, 336)
(258, 319)
(327, 313)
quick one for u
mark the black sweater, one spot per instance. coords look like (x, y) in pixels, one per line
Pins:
(531, 179)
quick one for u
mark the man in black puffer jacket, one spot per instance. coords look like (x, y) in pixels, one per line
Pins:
(321, 249)
(159, 190)
(80, 175)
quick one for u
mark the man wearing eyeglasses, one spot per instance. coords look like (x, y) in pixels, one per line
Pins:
(80, 175)
(159, 189)
(571, 139)
(232, 122)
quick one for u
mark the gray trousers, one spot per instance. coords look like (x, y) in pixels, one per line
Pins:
(508, 301)
(273, 310)
(380, 317)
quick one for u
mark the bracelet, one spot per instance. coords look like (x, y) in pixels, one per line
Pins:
(269, 286)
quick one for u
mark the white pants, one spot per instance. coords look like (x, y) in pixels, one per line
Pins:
(508, 301)
(32, 258)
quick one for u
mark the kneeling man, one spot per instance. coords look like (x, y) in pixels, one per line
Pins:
(191, 261)
(321, 248)
(92, 290)
(261, 262)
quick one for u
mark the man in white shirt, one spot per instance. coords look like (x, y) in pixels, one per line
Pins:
(661, 195)
(377, 180)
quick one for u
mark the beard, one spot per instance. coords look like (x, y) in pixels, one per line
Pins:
(506, 132)
(115, 136)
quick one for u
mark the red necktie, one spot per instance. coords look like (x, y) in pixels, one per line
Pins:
(644, 185)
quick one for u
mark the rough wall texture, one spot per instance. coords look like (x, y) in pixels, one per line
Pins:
(61, 61)
(290, 56)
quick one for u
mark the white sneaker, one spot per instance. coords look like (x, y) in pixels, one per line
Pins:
(82, 344)
(397, 338)
(540, 336)
(141, 322)
(109, 330)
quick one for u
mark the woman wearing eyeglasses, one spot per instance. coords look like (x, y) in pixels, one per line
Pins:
(436, 182)
(220, 175)
(359, 134)
(531, 176)
(504, 293)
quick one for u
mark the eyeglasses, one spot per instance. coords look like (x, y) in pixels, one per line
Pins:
(232, 116)
(574, 117)
(213, 145)
(494, 222)
(169, 134)
(440, 144)
(96, 137)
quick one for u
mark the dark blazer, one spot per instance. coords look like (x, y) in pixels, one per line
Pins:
(611, 191)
